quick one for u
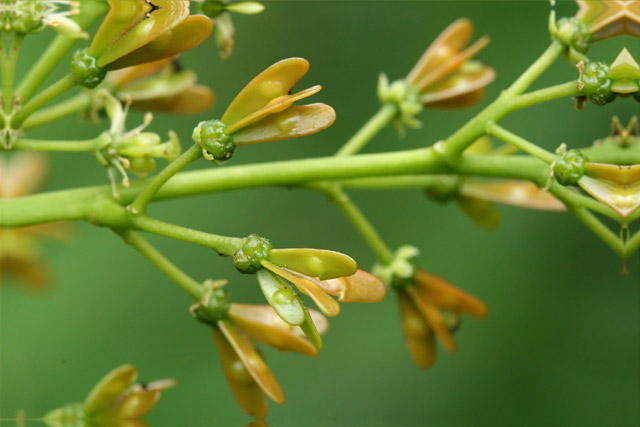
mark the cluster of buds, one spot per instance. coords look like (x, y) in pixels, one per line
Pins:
(601, 83)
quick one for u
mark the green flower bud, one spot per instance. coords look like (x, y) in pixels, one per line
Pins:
(212, 8)
(85, 70)
(594, 83)
(574, 33)
(214, 305)
(216, 144)
(28, 18)
(142, 165)
(570, 167)
(247, 259)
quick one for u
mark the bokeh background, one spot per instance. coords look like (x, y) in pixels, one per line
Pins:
(561, 345)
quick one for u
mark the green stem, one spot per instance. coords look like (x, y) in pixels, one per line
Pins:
(42, 98)
(80, 102)
(520, 143)
(373, 126)
(358, 219)
(536, 69)
(600, 230)
(140, 203)
(544, 95)
(185, 281)
(75, 204)
(223, 245)
(453, 147)
(8, 69)
(632, 245)
(67, 146)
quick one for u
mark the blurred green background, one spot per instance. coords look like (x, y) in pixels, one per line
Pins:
(561, 345)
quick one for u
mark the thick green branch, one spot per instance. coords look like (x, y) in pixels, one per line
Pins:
(67, 146)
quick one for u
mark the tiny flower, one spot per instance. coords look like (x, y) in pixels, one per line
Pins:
(234, 326)
(134, 150)
(161, 86)
(445, 76)
(19, 252)
(115, 400)
(136, 32)
(225, 31)
(429, 307)
(263, 111)
(607, 18)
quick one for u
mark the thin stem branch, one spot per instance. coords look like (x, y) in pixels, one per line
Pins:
(453, 147)
(8, 69)
(520, 143)
(370, 129)
(76, 104)
(544, 95)
(223, 245)
(599, 229)
(67, 146)
(358, 219)
(42, 98)
(183, 280)
(536, 69)
(140, 203)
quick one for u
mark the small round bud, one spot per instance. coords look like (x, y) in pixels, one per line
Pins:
(142, 165)
(211, 137)
(570, 167)
(247, 259)
(212, 8)
(85, 70)
(595, 84)
(214, 305)
(574, 33)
